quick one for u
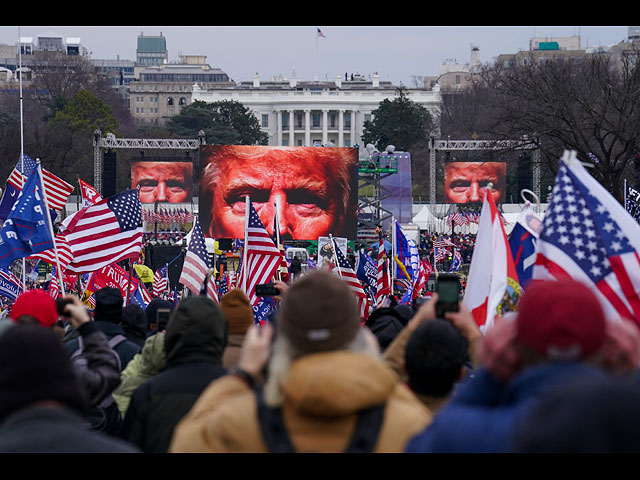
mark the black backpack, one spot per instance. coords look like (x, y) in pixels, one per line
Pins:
(105, 416)
(277, 439)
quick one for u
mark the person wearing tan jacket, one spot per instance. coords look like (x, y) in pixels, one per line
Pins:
(324, 375)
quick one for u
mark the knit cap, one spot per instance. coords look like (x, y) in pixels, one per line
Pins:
(561, 320)
(38, 304)
(319, 313)
(35, 367)
(108, 305)
(237, 311)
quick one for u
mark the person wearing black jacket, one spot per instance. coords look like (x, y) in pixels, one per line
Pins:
(195, 340)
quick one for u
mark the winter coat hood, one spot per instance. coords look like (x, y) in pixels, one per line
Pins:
(197, 332)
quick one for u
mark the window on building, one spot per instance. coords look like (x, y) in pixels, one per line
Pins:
(347, 120)
(183, 101)
(315, 119)
(170, 101)
(332, 120)
(299, 121)
(265, 120)
(285, 120)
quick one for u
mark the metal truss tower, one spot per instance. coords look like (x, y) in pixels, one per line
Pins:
(111, 141)
(496, 145)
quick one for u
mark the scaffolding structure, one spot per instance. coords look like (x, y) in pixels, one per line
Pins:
(496, 145)
(110, 141)
(371, 172)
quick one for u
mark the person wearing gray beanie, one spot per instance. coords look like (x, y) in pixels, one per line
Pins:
(324, 375)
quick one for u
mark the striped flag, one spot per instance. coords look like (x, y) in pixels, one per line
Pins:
(56, 189)
(211, 291)
(90, 195)
(343, 270)
(54, 288)
(590, 237)
(197, 262)
(224, 285)
(161, 281)
(262, 256)
(10, 286)
(104, 233)
(65, 255)
(383, 277)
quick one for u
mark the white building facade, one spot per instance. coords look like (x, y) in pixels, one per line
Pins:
(307, 113)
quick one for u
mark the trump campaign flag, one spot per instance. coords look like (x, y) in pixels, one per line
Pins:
(26, 230)
(522, 242)
(590, 237)
(493, 288)
(106, 232)
(10, 286)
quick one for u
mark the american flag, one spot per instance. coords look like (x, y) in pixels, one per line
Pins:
(54, 288)
(161, 281)
(588, 236)
(383, 277)
(343, 270)
(442, 242)
(211, 291)
(104, 233)
(632, 204)
(196, 263)
(65, 254)
(56, 189)
(262, 256)
(224, 285)
(439, 254)
(423, 275)
(459, 219)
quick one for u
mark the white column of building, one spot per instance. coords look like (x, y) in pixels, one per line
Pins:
(291, 135)
(307, 128)
(352, 140)
(279, 126)
(325, 126)
(341, 128)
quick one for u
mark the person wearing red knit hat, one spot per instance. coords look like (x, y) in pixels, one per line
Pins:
(559, 335)
(34, 307)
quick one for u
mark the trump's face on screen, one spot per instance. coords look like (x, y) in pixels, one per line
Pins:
(308, 187)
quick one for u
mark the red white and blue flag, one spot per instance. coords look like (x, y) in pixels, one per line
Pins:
(104, 233)
(383, 287)
(263, 258)
(196, 264)
(161, 281)
(590, 237)
(343, 270)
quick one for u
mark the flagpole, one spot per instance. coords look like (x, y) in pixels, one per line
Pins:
(50, 224)
(335, 255)
(625, 195)
(276, 231)
(393, 250)
(247, 203)
(22, 145)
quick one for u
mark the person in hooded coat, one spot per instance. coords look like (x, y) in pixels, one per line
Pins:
(194, 342)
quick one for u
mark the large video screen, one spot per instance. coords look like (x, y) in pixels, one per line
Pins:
(163, 180)
(463, 181)
(315, 190)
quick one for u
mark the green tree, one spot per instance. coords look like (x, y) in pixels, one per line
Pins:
(224, 123)
(85, 112)
(399, 122)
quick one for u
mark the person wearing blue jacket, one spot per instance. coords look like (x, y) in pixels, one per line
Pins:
(560, 335)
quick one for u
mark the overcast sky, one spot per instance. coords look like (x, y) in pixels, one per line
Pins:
(397, 54)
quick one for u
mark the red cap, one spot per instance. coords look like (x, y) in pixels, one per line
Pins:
(561, 320)
(38, 304)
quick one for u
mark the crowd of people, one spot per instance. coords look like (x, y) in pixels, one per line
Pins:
(200, 376)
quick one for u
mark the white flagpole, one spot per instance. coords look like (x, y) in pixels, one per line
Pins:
(335, 254)
(244, 248)
(276, 231)
(22, 144)
(50, 224)
(393, 250)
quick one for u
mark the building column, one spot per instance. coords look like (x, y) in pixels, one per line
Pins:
(353, 128)
(291, 134)
(279, 126)
(325, 126)
(307, 128)
(341, 128)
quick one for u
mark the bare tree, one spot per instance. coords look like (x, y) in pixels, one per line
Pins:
(587, 106)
